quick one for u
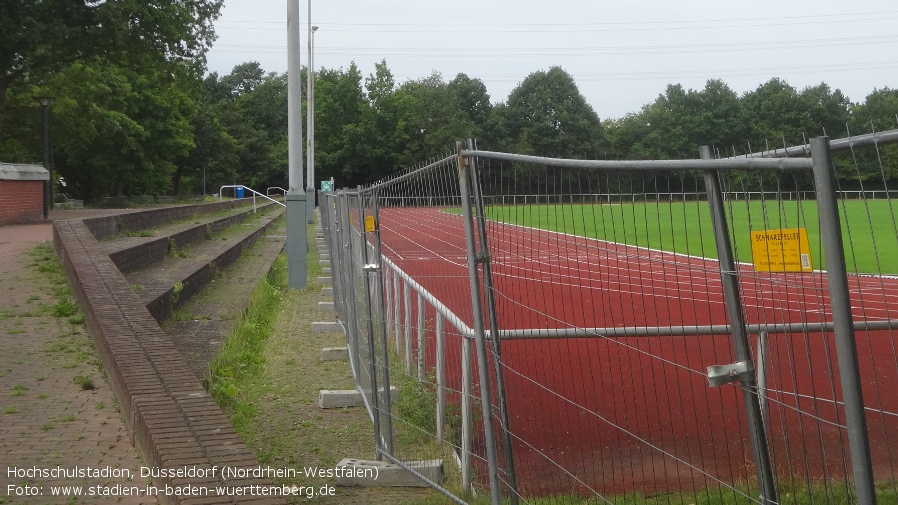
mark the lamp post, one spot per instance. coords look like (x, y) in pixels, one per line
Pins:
(310, 123)
(46, 102)
(310, 110)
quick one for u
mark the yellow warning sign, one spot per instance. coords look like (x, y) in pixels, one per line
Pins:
(781, 250)
(370, 224)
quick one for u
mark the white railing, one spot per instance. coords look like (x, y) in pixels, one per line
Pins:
(254, 192)
(268, 191)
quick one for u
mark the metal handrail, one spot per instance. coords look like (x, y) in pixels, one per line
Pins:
(251, 190)
(268, 191)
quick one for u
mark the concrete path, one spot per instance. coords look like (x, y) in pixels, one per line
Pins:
(50, 425)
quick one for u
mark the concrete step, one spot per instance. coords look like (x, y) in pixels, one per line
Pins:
(167, 284)
(340, 398)
(364, 473)
(326, 327)
(132, 253)
(334, 353)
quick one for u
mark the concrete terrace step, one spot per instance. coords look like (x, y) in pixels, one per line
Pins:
(131, 253)
(168, 284)
(205, 321)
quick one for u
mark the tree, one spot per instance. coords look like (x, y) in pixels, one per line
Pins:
(251, 109)
(828, 109)
(436, 119)
(678, 122)
(41, 37)
(390, 112)
(878, 112)
(380, 84)
(470, 97)
(117, 128)
(213, 161)
(243, 79)
(777, 113)
(546, 115)
(346, 140)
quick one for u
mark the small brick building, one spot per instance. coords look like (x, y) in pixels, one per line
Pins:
(22, 190)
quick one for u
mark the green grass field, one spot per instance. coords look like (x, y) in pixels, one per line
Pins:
(868, 228)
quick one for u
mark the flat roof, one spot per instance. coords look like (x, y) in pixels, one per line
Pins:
(23, 172)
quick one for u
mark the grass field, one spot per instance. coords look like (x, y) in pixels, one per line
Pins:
(868, 227)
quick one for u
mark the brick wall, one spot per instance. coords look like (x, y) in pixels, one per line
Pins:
(172, 420)
(21, 201)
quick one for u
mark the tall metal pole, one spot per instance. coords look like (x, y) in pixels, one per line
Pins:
(732, 298)
(310, 122)
(840, 304)
(297, 243)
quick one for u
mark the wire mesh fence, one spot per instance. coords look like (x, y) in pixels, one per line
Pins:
(559, 331)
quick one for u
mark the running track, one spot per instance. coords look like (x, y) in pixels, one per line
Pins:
(636, 413)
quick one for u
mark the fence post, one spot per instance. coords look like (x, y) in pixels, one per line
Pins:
(380, 287)
(407, 329)
(440, 376)
(330, 229)
(729, 280)
(467, 417)
(511, 473)
(843, 323)
(421, 349)
(372, 299)
(388, 296)
(350, 324)
(479, 336)
(396, 324)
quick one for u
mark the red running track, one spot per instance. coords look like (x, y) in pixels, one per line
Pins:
(612, 415)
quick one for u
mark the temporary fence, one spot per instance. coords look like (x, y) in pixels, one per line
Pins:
(732, 342)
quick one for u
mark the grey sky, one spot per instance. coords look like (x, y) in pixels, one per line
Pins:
(621, 54)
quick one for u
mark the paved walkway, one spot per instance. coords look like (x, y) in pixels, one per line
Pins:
(48, 422)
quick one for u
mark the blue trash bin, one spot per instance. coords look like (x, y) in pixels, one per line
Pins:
(240, 192)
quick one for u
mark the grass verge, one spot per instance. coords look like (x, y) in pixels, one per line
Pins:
(267, 377)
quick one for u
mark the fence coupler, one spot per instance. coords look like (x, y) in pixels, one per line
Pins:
(371, 267)
(718, 375)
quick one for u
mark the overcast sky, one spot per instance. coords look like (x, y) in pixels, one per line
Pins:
(622, 54)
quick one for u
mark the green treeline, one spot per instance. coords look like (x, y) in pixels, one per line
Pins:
(135, 112)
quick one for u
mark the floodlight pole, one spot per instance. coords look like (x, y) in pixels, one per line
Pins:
(297, 243)
(310, 123)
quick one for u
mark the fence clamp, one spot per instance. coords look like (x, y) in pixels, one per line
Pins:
(371, 267)
(718, 375)
(482, 257)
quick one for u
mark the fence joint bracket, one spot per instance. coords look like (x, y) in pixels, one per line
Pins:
(718, 375)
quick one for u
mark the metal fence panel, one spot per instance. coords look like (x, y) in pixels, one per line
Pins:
(599, 307)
